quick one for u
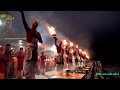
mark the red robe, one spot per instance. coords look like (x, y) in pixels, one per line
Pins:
(59, 48)
(43, 57)
(60, 51)
(3, 60)
(68, 53)
(74, 54)
(55, 61)
(20, 56)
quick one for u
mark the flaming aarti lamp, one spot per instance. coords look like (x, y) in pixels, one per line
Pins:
(52, 31)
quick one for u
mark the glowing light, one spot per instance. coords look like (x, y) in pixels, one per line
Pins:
(53, 48)
(84, 52)
(0, 22)
(87, 56)
(20, 40)
(80, 50)
(21, 46)
(65, 42)
(71, 44)
(51, 30)
(71, 51)
(76, 46)
(20, 43)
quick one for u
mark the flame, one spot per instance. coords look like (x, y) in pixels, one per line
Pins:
(71, 44)
(87, 56)
(64, 47)
(80, 50)
(51, 29)
(76, 46)
(65, 42)
(71, 51)
(84, 53)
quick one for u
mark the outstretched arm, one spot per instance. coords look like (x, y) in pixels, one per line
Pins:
(55, 41)
(24, 22)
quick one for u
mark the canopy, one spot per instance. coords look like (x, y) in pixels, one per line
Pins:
(6, 16)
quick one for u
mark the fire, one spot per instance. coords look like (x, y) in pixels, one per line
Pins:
(87, 56)
(64, 46)
(51, 30)
(65, 42)
(80, 50)
(76, 46)
(71, 44)
(71, 51)
(84, 52)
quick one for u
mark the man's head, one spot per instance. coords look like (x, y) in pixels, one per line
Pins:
(60, 43)
(42, 53)
(21, 49)
(34, 24)
(2, 49)
(8, 46)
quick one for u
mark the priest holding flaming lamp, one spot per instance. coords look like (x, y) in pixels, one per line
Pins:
(76, 55)
(80, 57)
(59, 48)
(72, 52)
(65, 53)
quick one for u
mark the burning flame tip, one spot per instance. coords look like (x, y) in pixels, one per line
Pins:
(51, 30)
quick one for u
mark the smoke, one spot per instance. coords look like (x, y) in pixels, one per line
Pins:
(42, 18)
(82, 38)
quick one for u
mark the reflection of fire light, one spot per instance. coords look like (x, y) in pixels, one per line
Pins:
(73, 75)
(51, 30)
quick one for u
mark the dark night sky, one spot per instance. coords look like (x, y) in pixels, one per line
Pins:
(97, 31)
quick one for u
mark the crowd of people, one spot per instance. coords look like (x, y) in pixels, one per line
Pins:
(11, 64)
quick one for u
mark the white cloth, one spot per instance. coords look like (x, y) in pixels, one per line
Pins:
(29, 48)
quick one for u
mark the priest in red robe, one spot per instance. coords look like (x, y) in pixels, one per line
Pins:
(31, 55)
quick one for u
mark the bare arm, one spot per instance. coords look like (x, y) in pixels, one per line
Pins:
(55, 41)
(24, 22)
(38, 36)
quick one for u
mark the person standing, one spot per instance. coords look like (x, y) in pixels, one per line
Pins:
(60, 52)
(68, 56)
(20, 56)
(42, 62)
(8, 55)
(3, 62)
(31, 54)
